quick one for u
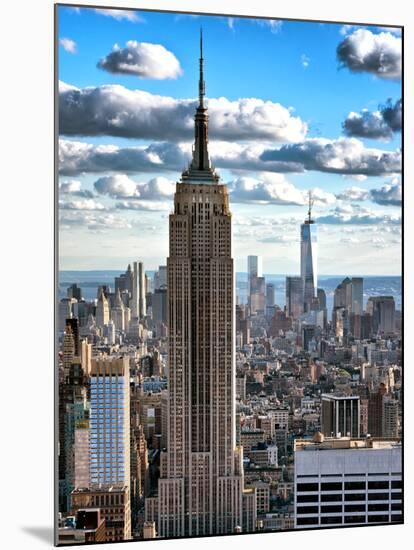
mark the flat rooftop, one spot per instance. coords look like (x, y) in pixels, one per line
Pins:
(331, 443)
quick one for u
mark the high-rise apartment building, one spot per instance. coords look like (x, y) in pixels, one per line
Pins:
(109, 422)
(201, 489)
(347, 481)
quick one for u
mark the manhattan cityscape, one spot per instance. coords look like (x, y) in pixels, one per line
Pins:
(204, 395)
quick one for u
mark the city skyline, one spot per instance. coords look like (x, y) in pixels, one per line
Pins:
(187, 396)
(102, 209)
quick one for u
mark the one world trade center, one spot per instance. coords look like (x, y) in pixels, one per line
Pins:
(308, 258)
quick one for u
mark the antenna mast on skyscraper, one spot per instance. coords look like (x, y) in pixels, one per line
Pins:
(311, 201)
(201, 84)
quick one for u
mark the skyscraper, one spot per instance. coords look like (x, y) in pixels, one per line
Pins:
(200, 491)
(118, 312)
(74, 292)
(382, 309)
(254, 267)
(256, 285)
(102, 309)
(270, 294)
(134, 301)
(294, 296)
(109, 424)
(142, 302)
(321, 295)
(308, 257)
(139, 307)
(357, 295)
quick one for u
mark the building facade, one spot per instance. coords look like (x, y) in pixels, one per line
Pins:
(109, 422)
(340, 415)
(347, 481)
(201, 489)
(294, 297)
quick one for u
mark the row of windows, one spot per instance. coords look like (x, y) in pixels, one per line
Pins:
(381, 518)
(107, 380)
(337, 509)
(354, 474)
(348, 497)
(348, 486)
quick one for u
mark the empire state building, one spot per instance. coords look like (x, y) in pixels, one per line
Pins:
(201, 487)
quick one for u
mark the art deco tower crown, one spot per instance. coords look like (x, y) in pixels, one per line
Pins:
(200, 169)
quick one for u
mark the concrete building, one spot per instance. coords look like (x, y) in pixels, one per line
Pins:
(114, 504)
(347, 481)
(149, 531)
(82, 455)
(88, 527)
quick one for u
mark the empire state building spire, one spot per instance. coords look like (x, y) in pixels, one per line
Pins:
(200, 169)
(201, 83)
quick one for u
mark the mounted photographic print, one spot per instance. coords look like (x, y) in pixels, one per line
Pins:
(229, 292)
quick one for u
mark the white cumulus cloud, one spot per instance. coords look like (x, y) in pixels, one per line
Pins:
(142, 59)
(377, 54)
(275, 189)
(120, 186)
(117, 111)
(74, 188)
(340, 156)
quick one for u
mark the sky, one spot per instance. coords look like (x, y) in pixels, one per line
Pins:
(293, 107)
